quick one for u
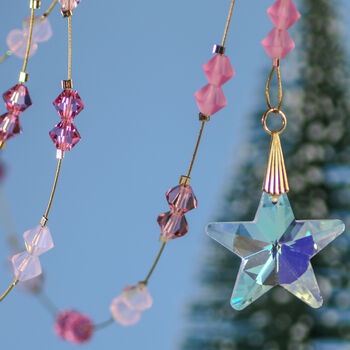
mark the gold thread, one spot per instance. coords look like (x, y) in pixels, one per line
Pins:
(228, 22)
(15, 281)
(49, 9)
(29, 42)
(280, 90)
(145, 282)
(69, 48)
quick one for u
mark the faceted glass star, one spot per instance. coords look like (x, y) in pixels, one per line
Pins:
(275, 250)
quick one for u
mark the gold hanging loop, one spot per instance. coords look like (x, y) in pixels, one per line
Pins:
(275, 67)
(275, 111)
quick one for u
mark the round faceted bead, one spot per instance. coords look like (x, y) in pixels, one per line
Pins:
(17, 43)
(278, 44)
(210, 99)
(123, 314)
(69, 4)
(9, 126)
(42, 30)
(26, 266)
(73, 327)
(283, 14)
(65, 135)
(68, 104)
(218, 70)
(182, 197)
(137, 297)
(173, 225)
(17, 99)
(38, 240)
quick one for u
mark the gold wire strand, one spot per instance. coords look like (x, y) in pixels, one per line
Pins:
(69, 47)
(49, 9)
(145, 282)
(228, 22)
(280, 89)
(53, 188)
(196, 149)
(5, 56)
(47, 303)
(8, 290)
(103, 325)
(29, 42)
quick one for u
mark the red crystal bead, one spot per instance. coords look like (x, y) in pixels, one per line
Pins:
(68, 104)
(65, 135)
(17, 99)
(173, 225)
(9, 126)
(182, 197)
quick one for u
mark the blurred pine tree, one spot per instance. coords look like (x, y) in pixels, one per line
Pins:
(317, 152)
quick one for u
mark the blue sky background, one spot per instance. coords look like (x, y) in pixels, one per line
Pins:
(136, 66)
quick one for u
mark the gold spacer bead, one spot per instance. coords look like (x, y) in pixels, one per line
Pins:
(2, 144)
(204, 117)
(43, 221)
(67, 84)
(66, 13)
(276, 62)
(35, 4)
(23, 77)
(275, 199)
(219, 49)
(184, 180)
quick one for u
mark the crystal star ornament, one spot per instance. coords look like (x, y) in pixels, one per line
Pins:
(275, 250)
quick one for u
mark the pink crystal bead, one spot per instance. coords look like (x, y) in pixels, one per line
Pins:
(68, 104)
(278, 43)
(69, 4)
(42, 30)
(74, 327)
(137, 297)
(173, 225)
(283, 14)
(17, 43)
(210, 99)
(182, 197)
(218, 70)
(9, 126)
(38, 240)
(17, 99)
(65, 135)
(123, 314)
(26, 266)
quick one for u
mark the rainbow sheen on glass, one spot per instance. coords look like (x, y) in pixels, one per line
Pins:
(275, 250)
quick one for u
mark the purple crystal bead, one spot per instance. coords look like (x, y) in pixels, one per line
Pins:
(65, 135)
(173, 225)
(17, 99)
(9, 126)
(182, 197)
(68, 104)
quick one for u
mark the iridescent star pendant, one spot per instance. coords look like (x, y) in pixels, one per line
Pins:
(275, 250)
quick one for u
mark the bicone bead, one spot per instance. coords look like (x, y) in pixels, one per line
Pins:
(137, 297)
(9, 126)
(278, 43)
(68, 104)
(26, 266)
(123, 314)
(65, 135)
(68, 5)
(74, 327)
(210, 99)
(38, 240)
(173, 225)
(283, 14)
(42, 30)
(17, 99)
(218, 70)
(17, 43)
(182, 197)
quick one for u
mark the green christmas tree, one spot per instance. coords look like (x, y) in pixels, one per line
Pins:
(317, 151)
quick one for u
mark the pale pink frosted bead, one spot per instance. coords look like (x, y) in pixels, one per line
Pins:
(283, 14)
(69, 4)
(42, 30)
(38, 240)
(123, 314)
(26, 266)
(210, 99)
(218, 70)
(17, 43)
(137, 297)
(278, 44)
